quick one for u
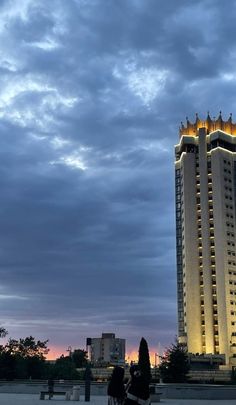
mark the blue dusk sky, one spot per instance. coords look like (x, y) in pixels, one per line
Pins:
(92, 93)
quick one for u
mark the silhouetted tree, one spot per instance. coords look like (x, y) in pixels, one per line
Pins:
(7, 366)
(64, 368)
(174, 365)
(23, 358)
(144, 360)
(79, 358)
(3, 332)
(27, 347)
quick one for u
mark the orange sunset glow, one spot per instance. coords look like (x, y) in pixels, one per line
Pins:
(131, 354)
(56, 351)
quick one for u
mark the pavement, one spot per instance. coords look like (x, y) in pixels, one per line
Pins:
(28, 399)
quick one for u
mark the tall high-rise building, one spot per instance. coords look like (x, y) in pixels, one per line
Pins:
(205, 178)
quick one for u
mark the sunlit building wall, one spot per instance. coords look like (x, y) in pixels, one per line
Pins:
(205, 178)
(107, 349)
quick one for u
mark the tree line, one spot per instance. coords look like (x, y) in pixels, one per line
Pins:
(25, 358)
(174, 365)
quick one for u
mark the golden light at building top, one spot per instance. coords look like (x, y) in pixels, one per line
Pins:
(210, 124)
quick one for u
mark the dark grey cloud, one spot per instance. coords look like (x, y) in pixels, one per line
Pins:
(91, 96)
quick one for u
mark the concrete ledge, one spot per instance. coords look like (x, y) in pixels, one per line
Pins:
(195, 391)
(155, 397)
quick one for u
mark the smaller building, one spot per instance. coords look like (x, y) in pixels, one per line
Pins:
(106, 350)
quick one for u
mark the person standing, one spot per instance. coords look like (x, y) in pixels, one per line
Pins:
(137, 389)
(116, 389)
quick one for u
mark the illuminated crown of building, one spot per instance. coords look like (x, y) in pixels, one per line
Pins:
(210, 124)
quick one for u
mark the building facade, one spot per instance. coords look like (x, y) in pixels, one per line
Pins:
(205, 181)
(106, 350)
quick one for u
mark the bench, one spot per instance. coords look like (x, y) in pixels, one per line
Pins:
(51, 394)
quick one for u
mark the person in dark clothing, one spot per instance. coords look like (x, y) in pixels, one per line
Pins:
(137, 389)
(116, 389)
(50, 388)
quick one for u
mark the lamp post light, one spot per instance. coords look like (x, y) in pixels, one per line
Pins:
(69, 350)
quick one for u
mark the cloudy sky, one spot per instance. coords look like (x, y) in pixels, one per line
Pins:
(92, 93)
